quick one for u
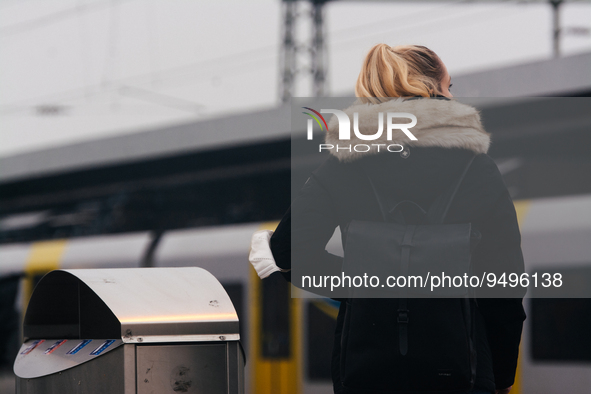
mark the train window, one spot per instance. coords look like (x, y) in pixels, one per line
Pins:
(9, 320)
(321, 325)
(560, 329)
(276, 311)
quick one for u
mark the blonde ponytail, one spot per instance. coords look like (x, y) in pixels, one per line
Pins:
(402, 71)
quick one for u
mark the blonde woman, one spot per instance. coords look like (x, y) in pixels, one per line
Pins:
(410, 79)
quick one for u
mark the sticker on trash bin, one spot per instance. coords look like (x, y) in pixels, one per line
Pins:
(102, 347)
(32, 346)
(55, 346)
(79, 347)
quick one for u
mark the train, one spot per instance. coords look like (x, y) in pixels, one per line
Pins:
(288, 340)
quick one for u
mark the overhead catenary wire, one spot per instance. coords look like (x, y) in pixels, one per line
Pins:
(424, 28)
(230, 62)
(97, 89)
(5, 4)
(417, 26)
(110, 65)
(184, 71)
(84, 45)
(380, 23)
(181, 73)
(160, 99)
(152, 38)
(55, 17)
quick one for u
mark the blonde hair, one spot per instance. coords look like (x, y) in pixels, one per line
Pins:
(401, 71)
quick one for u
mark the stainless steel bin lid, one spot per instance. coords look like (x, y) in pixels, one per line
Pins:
(135, 304)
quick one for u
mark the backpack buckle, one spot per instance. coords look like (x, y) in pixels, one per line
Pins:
(402, 316)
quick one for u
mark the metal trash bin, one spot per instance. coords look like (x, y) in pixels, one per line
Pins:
(139, 330)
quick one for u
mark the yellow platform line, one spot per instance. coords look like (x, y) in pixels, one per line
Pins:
(44, 256)
(521, 209)
(327, 309)
(273, 376)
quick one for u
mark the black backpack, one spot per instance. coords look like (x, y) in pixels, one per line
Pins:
(396, 339)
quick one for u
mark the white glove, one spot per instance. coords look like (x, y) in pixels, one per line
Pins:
(261, 256)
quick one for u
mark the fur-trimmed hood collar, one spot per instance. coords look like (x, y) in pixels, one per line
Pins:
(440, 123)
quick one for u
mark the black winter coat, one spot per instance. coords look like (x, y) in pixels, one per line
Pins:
(339, 192)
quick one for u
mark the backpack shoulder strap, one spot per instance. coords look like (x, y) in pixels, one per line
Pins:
(379, 200)
(438, 210)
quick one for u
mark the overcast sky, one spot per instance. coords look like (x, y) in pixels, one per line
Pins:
(120, 66)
